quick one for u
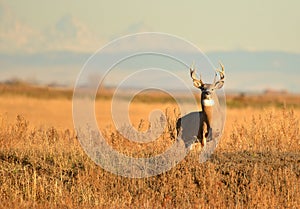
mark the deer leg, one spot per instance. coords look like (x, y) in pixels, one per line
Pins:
(203, 142)
(178, 126)
(200, 136)
(208, 134)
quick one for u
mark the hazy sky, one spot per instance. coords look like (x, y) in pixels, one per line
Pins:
(75, 25)
(49, 41)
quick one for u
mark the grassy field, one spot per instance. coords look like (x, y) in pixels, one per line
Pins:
(42, 165)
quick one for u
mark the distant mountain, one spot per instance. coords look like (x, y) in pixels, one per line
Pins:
(246, 71)
(257, 71)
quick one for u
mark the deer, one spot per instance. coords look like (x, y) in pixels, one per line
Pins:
(192, 126)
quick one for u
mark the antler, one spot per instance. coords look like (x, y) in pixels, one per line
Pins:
(220, 82)
(197, 82)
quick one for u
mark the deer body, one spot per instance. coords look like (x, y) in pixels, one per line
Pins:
(192, 125)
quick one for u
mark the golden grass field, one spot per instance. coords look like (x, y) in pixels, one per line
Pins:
(42, 165)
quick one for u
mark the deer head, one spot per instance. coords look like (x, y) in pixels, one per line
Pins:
(208, 89)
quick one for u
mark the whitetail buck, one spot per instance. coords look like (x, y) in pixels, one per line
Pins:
(191, 127)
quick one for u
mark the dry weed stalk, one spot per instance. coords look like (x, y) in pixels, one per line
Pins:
(258, 167)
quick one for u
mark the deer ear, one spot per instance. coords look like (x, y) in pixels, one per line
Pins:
(219, 84)
(197, 84)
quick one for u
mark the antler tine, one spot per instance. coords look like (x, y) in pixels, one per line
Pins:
(218, 84)
(215, 78)
(193, 75)
(222, 71)
(192, 71)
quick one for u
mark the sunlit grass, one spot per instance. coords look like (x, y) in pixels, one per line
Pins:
(257, 164)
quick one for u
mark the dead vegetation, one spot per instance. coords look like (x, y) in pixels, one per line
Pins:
(256, 165)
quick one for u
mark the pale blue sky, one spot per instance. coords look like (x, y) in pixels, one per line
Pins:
(49, 41)
(268, 25)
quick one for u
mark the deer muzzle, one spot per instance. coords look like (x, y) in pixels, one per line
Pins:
(208, 102)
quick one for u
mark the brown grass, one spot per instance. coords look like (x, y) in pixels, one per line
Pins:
(256, 165)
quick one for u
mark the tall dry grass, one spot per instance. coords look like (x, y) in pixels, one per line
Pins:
(256, 165)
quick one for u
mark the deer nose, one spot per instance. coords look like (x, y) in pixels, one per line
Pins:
(207, 93)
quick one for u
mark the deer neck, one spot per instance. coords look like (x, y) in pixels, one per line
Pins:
(207, 108)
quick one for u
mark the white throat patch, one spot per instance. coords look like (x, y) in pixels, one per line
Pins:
(208, 102)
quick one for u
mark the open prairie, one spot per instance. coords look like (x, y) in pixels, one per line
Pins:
(42, 165)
